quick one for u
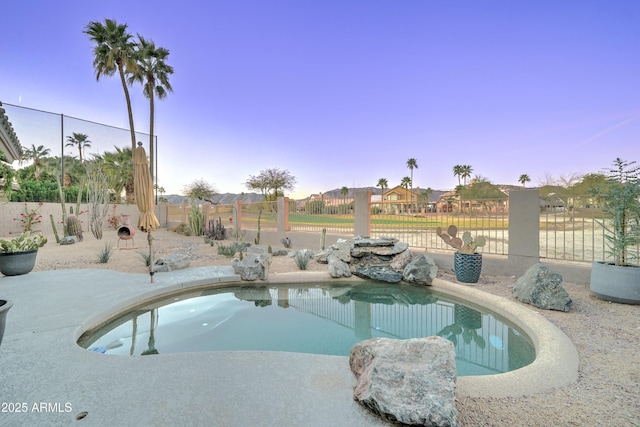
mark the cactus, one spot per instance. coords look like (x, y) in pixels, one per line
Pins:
(73, 227)
(323, 238)
(465, 244)
(55, 229)
(257, 239)
(196, 219)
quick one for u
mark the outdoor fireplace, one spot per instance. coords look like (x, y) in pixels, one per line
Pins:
(125, 231)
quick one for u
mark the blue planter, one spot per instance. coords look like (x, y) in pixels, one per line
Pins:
(4, 309)
(17, 263)
(467, 267)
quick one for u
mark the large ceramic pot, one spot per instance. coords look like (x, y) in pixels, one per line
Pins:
(467, 267)
(4, 309)
(14, 264)
(615, 283)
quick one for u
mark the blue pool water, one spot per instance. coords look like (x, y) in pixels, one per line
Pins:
(320, 319)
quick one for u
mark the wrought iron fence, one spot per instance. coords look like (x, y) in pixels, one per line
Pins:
(333, 214)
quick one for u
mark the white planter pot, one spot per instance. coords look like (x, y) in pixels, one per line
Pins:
(615, 283)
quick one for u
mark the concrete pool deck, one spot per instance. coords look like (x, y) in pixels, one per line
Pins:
(59, 382)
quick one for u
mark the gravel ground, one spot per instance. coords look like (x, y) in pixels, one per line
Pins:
(606, 335)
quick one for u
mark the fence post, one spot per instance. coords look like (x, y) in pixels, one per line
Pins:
(281, 216)
(524, 229)
(183, 212)
(237, 215)
(362, 213)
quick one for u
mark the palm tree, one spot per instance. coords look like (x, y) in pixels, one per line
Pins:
(343, 192)
(412, 164)
(36, 154)
(382, 183)
(524, 178)
(466, 172)
(80, 140)
(405, 183)
(457, 171)
(114, 51)
(153, 73)
(118, 169)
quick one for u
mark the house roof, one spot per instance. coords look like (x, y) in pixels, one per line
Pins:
(9, 142)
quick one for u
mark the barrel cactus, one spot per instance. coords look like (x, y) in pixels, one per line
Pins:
(465, 244)
(73, 227)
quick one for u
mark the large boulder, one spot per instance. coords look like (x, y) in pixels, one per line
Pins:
(337, 267)
(383, 274)
(542, 287)
(252, 266)
(408, 381)
(171, 262)
(421, 270)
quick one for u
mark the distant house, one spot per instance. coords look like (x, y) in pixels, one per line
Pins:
(488, 198)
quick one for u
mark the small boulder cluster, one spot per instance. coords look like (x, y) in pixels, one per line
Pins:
(384, 259)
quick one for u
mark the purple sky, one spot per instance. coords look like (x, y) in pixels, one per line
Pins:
(342, 93)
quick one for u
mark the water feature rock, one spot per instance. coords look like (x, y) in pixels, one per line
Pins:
(388, 250)
(382, 241)
(322, 256)
(408, 381)
(421, 270)
(383, 274)
(342, 249)
(171, 262)
(542, 287)
(400, 261)
(337, 267)
(252, 266)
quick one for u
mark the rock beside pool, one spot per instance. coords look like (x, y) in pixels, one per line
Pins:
(171, 262)
(542, 287)
(408, 381)
(421, 270)
(252, 266)
(337, 267)
(376, 272)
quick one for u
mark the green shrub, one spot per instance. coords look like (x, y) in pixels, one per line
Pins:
(105, 253)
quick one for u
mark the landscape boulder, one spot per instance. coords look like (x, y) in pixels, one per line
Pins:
(176, 261)
(542, 287)
(407, 381)
(252, 266)
(337, 267)
(421, 270)
(68, 240)
(383, 274)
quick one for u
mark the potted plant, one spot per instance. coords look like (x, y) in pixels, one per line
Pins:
(18, 255)
(615, 279)
(4, 309)
(467, 263)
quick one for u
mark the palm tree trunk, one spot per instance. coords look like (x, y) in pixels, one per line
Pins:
(151, 122)
(128, 99)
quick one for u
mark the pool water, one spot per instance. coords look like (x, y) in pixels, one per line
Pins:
(320, 319)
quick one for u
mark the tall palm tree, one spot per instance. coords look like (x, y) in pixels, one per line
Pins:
(412, 164)
(382, 183)
(36, 154)
(457, 171)
(524, 178)
(114, 51)
(80, 140)
(153, 73)
(466, 172)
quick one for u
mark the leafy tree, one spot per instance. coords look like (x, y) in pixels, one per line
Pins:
(524, 178)
(412, 164)
(481, 190)
(36, 154)
(269, 180)
(153, 73)
(114, 51)
(200, 189)
(80, 140)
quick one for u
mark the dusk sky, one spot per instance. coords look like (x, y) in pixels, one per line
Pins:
(342, 93)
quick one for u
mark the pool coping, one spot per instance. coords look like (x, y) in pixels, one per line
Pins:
(41, 361)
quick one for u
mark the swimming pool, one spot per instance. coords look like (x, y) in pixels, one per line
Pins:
(325, 318)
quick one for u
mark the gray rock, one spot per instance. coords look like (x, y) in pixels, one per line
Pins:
(421, 270)
(408, 381)
(388, 250)
(322, 256)
(68, 240)
(252, 266)
(383, 274)
(171, 262)
(400, 261)
(342, 249)
(542, 288)
(337, 267)
(382, 241)
(280, 252)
